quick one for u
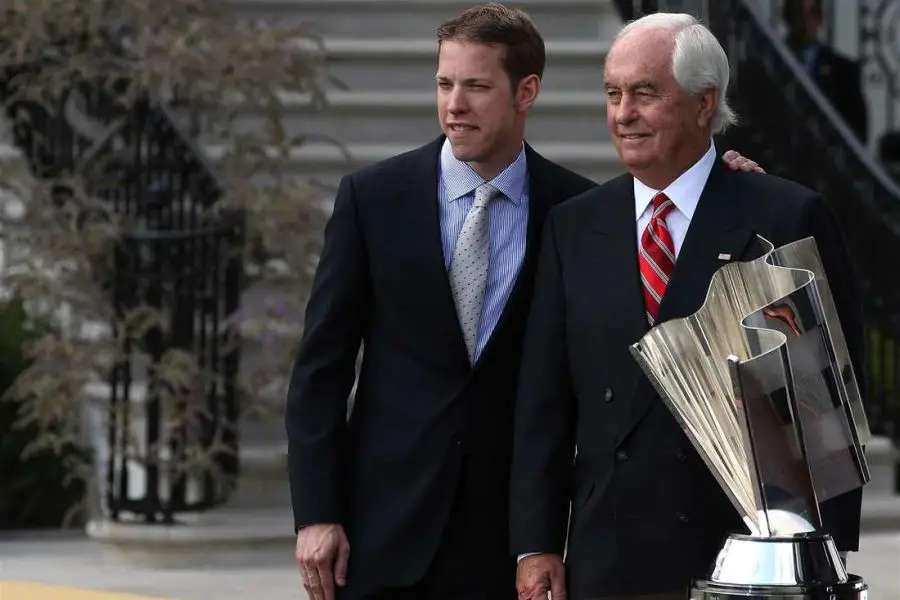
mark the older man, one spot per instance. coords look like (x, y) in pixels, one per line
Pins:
(646, 514)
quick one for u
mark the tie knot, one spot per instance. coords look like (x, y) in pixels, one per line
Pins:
(484, 193)
(662, 206)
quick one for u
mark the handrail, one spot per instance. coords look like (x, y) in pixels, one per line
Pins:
(890, 205)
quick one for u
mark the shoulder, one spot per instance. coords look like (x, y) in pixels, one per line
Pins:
(782, 194)
(577, 207)
(771, 204)
(397, 169)
(567, 181)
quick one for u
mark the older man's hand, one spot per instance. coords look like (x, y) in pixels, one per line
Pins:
(322, 554)
(736, 162)
(539, 574)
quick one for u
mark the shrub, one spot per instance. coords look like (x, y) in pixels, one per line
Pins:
(37, 489)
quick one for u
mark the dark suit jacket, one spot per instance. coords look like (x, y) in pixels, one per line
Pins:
(840, 80)
(421, 413)
(647, 515)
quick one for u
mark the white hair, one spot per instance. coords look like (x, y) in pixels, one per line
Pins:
(699, 62)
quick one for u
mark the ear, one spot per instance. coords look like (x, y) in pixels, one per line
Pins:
(527, 92)
(706, 107)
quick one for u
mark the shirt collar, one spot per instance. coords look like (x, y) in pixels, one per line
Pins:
(684, 192)
(460, 179)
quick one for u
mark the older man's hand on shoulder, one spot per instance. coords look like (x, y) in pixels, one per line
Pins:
(736, 162)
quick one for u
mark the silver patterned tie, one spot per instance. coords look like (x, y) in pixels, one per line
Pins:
(469, 267)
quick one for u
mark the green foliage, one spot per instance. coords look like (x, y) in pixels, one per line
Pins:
(85, 73)
(37, 490)
(883, 404)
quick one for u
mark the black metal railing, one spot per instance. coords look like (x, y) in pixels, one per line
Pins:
(176, 257)
(865, 30)
(798, 134)
(876, 47)
(793, 131)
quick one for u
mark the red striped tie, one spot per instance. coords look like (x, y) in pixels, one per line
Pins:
(657, 256)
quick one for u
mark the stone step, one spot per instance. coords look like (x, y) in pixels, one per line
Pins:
(397, 65)
(214, 539)
(410, 116)
(597, 161)
(263, 482)
(572, 19)
(880, 512)
(882, 457)
(327, 162)
(881, 503)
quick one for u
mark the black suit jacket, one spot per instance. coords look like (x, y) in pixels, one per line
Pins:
(421, 413)
(647, 515)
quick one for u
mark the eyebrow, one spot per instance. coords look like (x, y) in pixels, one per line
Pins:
(469, 81)
(644, 84)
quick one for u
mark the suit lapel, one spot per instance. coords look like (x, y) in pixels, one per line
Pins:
(717, 234)
(541, 197)
(613, 251)
(420, 206)
(717, 229)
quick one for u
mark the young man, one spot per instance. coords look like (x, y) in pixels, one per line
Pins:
(429, 263)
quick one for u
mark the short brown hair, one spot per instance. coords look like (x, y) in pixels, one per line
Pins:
(497, 25)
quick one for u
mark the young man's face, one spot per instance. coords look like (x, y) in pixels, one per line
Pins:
(479, 111)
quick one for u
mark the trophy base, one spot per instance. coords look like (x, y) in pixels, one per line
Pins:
(804, 566)
(854, 589)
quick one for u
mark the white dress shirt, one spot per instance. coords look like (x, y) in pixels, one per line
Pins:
(684, 193)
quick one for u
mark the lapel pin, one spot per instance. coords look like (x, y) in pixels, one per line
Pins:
(724, 256)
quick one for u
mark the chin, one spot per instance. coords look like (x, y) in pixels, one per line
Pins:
(633, 162)
(466, 155)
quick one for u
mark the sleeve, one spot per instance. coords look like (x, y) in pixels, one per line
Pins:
(324, 368)
(544, 417)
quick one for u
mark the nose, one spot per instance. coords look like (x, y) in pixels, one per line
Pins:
(625, 110)
(456, 101)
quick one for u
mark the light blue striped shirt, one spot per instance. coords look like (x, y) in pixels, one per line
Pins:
(508, 228)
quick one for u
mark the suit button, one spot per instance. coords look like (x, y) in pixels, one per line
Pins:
(680, 455)
(683, 518)
(608, 395)
(621, 455)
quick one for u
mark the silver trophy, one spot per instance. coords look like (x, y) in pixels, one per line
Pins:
(760, 379)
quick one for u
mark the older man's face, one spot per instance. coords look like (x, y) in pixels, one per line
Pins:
(655, 126)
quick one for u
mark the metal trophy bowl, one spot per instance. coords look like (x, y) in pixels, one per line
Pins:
(760, 379)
